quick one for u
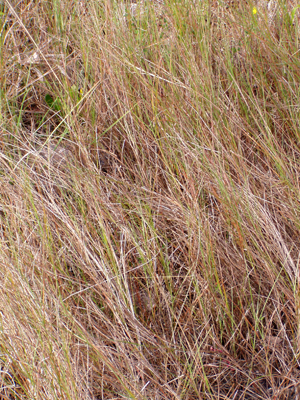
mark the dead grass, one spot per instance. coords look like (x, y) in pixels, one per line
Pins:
(149, 213)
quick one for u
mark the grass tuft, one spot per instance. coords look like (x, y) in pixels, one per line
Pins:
(149, 200)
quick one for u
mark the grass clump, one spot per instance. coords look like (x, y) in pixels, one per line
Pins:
(149, 212)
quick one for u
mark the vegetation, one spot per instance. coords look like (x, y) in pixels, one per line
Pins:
(149, 200)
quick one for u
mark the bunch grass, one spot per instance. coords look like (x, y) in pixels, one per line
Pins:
(149, 200)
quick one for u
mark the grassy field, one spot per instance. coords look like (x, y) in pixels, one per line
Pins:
(149, 200)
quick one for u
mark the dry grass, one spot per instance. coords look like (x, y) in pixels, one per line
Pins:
(149, 186)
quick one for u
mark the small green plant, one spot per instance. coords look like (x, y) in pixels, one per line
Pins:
(54, 104)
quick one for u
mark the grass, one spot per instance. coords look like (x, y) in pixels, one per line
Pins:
(149, 200)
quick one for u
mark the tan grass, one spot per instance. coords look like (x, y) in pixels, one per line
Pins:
(149, 201)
